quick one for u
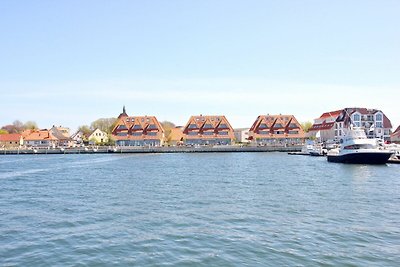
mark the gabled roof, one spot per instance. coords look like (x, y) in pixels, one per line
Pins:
(92, 132)
(331, 114)
(343, 115)
(59, 134)
(38, 135)
(396, 132)
(10, 137)
(278, 126)
(215, 121)
(322, 126)
(273, 121)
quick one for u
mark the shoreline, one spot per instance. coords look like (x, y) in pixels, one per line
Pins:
(129, 150)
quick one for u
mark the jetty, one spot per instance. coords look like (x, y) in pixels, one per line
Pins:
(154, 149)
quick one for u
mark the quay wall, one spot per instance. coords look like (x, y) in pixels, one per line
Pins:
(124, 150)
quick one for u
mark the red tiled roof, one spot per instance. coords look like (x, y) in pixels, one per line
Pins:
(206, 124)
(331, 114)
(274, 123)
(322, 126)
(10, 137)
(397, 130)
(40, 135)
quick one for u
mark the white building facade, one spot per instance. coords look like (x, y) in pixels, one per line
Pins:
(333, 125)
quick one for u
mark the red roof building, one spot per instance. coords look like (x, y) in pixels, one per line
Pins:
(395, 137)
(11, 140)
(137, 131)
(39, 138)
(276, 130)
(333, 125)
(208, 130)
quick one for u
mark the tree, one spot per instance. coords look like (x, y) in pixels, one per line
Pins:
(16, 127)
(2, 131)
(30, 125)
(104, 124)
(306, 126)
(168, 126)
(84, 129)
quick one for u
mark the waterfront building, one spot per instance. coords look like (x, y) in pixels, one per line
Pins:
(97, 137)
(62, 134)
(208, 130)
(137, 131)
(78, 138)
(39, 138)
(395, 137)
(241, 135)
(333, 125)
(276, 130)
(11, 140)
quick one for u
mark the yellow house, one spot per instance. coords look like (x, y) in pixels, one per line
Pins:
(97, 137)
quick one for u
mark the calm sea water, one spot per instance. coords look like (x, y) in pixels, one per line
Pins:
(243, 209)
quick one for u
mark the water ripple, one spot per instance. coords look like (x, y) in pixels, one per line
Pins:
(197, 210)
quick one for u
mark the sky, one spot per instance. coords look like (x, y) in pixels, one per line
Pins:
(71, 62)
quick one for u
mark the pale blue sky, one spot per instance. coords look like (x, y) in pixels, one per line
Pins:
(71, 62)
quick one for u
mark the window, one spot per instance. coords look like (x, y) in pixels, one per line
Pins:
(278, 125)
(378, 124)
(137, 127)
(192, 126)
(137, 133)
(192, 133)
(208, 133)
(152, 133)
(223, 126)
(263, 126)
(208, 126)
(379, 117)
(223, 133)
(356, 117)
(263, 132)
(293, 125)
(122, 127)
(122, 134)
(152, 127)
(293, 132)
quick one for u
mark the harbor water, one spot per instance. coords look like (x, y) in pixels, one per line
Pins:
(206, 209)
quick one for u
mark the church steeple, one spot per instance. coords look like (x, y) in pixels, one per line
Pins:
(123, 114)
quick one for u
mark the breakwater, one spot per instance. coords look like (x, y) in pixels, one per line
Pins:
(121, 150)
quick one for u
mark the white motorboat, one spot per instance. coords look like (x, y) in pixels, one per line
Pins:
(355, 147)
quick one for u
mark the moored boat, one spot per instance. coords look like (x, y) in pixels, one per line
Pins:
(355, 147)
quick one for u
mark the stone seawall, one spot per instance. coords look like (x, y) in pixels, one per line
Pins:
(122, 150)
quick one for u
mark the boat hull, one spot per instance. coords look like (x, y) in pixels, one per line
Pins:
(361, 158)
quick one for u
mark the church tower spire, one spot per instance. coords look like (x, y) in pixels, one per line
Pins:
(123, 114)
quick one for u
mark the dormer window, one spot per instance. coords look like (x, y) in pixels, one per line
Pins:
(263, 126)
